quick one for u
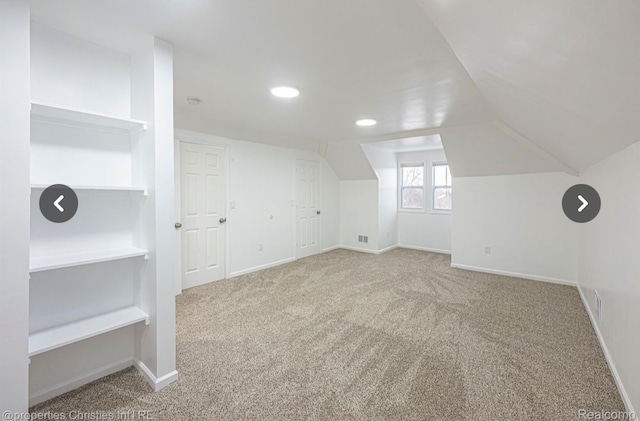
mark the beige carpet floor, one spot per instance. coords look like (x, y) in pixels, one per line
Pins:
(345, 335)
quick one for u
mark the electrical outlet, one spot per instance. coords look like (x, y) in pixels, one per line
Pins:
(487, 249)
(598, 305)
(260, 247)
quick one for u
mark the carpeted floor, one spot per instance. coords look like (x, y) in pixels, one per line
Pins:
(346, 335)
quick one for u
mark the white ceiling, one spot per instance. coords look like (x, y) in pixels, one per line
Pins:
(410, 144)
(564, 74)
(539, 85)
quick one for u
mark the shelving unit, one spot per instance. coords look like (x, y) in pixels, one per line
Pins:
(51, 144)
(38, 264)
(97, 277)
(133, 189)
(60, 115)
(57, 337)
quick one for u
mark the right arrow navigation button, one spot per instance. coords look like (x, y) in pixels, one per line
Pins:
(581, 203)
(584, 203)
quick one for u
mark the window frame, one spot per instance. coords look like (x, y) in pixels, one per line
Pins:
(401, 186)
(435, 164)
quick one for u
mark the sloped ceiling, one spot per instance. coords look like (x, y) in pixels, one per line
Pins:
(563, 74)
(485, 149)
(511, 86)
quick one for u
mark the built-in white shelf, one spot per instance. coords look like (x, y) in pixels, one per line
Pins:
(41, 263)
(57, 114)
(56, 337)
(133, 189)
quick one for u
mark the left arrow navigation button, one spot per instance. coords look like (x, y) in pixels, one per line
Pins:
(58, 203)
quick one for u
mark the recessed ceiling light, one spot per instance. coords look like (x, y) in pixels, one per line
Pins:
(193, 101)
(366, 122)
(285, 92)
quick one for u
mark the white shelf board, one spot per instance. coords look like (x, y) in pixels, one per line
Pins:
(56, 337)
(134, 189)
(54, 113)
(41, 263)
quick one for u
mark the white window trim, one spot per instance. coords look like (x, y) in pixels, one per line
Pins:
(424, 165)
(433, 190)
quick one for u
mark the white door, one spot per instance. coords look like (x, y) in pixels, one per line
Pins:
(202, 214)
(307, 210)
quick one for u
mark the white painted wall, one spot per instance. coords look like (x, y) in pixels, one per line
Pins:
(152, 101)
(520, 217)
(68, 71)
(385, 165)
(330, 206)
(261, 182)
(425, 230)
(609, 249)
(359, 214)
(14, 212)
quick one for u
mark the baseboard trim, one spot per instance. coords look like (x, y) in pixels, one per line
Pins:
(384, 250)
(261, 267)
(607, 355)
(369, 251)
(155, 383)
(79, 381)
(429, 249)
(330, 249)
(515, 275)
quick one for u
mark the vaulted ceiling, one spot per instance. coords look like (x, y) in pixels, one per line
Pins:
(511, 86)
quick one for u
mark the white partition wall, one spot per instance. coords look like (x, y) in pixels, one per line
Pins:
(101, 288)
(14, 204)
(152, 100)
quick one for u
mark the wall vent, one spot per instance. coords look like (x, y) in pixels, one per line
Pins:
(363, 238)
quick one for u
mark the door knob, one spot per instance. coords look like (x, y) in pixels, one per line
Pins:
(178, 225)
(223, 220)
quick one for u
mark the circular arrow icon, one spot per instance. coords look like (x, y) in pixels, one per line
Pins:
(581, 203)
(58, 203)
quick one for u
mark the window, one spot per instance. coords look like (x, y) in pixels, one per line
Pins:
(412, 188)
(441, 187)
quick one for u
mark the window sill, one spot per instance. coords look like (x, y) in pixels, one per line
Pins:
(421, 210)
(440, 212)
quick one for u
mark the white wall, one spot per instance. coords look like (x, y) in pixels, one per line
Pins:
(330, 207)
(152, 101)
(14, 211)
(520, 217)
(68, 71)
(425, 230)
(384, 164)
(261, 182)
(609, 261)
(359, 213)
